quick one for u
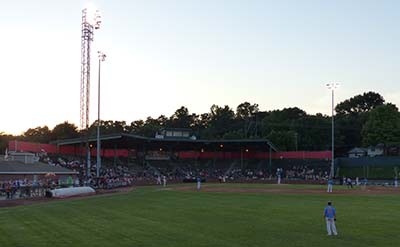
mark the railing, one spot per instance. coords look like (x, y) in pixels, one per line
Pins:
(23, 192)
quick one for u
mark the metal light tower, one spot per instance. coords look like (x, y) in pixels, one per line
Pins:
(91, 20)
(333, 86)
(102, 58)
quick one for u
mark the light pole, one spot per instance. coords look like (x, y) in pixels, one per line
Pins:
(333, 86)
(91, 21)
(102, 58)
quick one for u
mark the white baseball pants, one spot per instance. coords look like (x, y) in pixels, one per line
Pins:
(330, 226)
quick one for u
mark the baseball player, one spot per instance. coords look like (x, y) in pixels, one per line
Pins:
(198, 183)
(330, 185)
(278, 174)
(349, 183)
(330, 218)
(164, 178)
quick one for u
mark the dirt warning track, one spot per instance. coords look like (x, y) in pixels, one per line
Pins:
(284, 190)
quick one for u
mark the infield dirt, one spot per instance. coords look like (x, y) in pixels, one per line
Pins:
(282, 189)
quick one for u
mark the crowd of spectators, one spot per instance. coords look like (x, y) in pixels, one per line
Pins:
(24, 188)
(307, 173)
(113, 176)
(187, 171)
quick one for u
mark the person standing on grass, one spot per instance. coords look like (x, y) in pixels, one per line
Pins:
(330, 218)
(164, 181)
(198, 183)
(349, 183)
(278, 174)
(330, 185)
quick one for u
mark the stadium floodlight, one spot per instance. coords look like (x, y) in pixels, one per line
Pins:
(333, 86)
(102, 58)
(91, 20)
(93, 16)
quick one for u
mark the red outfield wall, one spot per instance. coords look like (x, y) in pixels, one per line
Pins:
(71, 150)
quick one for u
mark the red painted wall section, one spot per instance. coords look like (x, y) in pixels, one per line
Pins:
(303, 155)
(21, 146)
(255, 155)
(72, 150)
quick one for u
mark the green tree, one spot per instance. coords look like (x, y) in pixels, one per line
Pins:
(64, 131)
(246, 110)
(298, 130)
(38, 134)
(351, 115)
(4, 139)
(201, 125)
(313, 132)
(382, 126)
(108, 127)
(246, 119)
(360, 103)
(151, 126)
(284, 140)
(235, 134)
(136, 127)
(282, 120)
(182, 119)
(221, 121)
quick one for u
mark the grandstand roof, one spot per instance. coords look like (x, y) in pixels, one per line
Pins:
(131, 141)
(16, 167)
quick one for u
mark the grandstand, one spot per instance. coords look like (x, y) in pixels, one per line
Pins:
(186, 156)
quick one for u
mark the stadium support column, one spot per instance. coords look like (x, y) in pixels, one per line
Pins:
(241, 157)
(270, 160)
(88, 174)
(115, 155)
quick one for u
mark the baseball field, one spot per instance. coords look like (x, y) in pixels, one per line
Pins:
(219, 215)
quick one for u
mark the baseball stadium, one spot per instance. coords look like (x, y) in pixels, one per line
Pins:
(240, 177)
(147, 194)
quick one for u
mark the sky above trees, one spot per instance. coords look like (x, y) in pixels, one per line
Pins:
(165, 54)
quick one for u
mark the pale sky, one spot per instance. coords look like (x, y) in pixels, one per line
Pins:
(163, 54)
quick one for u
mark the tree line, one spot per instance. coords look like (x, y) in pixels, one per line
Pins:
(362, 120)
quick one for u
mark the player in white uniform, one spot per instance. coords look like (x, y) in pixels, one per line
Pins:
(279, 174)
(198, 183)
(164, 181)
(330, 185)
(330, 218)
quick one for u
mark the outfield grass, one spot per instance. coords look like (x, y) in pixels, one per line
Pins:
(152, 217)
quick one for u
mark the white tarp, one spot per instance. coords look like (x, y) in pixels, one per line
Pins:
(73, 191)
